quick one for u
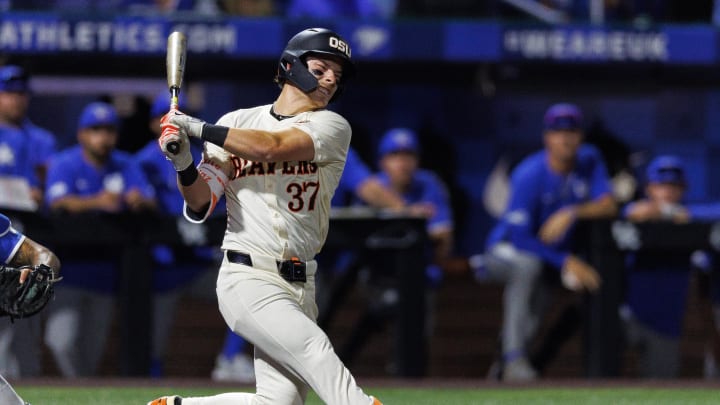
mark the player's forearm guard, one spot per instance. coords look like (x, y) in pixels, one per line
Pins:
(215, 134)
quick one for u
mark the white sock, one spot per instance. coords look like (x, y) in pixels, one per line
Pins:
(230, 398)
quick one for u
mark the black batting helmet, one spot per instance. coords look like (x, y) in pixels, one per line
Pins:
(312, 41)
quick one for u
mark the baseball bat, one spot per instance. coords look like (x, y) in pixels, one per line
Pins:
(175, 65)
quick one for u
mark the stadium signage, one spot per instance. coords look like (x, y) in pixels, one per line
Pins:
(446, 40)
(121, 36)
(586, 45)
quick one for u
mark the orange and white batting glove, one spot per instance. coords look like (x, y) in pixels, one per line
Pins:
(190, 125)
(182, 158)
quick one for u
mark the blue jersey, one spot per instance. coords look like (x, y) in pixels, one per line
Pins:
(10, 240)
(23, 150)
(426, 187)
(70, 174)
(537, 192)
(354, 174)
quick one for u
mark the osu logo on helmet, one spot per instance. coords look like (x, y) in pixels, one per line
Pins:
(340, 45)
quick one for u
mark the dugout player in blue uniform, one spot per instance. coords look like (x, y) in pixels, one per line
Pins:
(91, 177)
(16, 250)
(25, 148)
(657, 283)
(706, 262)
(421, 189)
(550, 190)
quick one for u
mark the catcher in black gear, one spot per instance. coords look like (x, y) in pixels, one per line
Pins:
(27, 273)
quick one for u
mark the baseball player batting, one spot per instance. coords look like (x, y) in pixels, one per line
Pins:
(278, 166)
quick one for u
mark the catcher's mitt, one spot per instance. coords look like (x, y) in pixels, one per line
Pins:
(26, 299)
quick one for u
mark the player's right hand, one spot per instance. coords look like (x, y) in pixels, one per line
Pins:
(182, 159)
(577, 275)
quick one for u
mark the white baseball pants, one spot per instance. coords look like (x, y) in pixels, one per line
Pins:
(292, 353)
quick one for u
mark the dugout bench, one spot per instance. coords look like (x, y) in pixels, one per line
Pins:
(129, 237)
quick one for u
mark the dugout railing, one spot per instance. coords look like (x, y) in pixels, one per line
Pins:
(402, 242)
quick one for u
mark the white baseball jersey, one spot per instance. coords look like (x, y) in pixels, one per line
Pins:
(282, 209)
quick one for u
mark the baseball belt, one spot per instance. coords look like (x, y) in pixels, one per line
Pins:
(292, 270)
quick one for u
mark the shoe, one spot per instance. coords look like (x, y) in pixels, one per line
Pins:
(169, 400)
(495, 371)
(238, 369)
(518, 370)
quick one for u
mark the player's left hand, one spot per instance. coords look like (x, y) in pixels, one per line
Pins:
(190, 125)
(557, 225)
(674, 212)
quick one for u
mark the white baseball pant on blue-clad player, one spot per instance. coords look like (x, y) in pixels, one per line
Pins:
(524, 298)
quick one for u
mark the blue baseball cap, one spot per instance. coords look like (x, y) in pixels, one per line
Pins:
(161, 104)
(666, 169)
(98, 114)
(14, 78)
(563, 116)
(399, 139)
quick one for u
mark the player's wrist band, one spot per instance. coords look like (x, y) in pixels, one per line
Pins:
(188, 175)
(215, 134)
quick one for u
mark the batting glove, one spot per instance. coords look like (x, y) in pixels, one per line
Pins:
(190, 125)
(182, 159)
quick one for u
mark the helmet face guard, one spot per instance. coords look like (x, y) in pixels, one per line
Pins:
(298, 73)
(314, 41)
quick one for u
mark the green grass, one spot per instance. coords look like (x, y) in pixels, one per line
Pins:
(395, 396)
